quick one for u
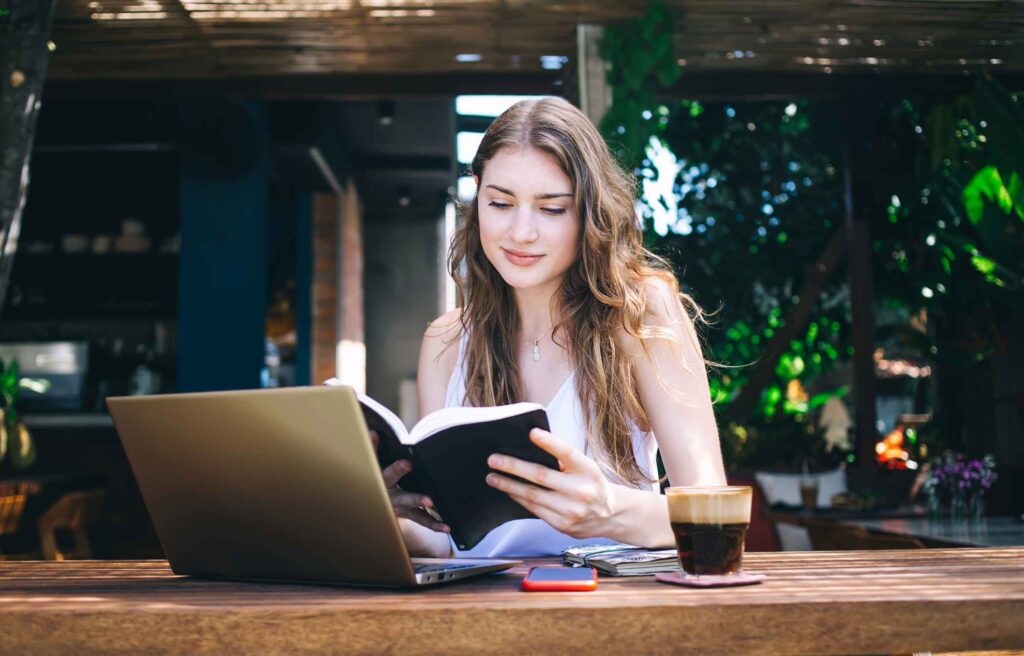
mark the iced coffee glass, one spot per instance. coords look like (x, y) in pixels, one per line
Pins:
(710, 524)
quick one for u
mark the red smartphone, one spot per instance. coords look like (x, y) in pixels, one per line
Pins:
(560, 579)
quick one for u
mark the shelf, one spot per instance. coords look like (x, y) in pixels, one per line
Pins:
(68, 420)
(131, 148)
(83, 286)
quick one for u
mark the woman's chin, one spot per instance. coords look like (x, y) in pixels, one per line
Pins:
(522, 280)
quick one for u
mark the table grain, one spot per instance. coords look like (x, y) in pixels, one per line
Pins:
(812, 603)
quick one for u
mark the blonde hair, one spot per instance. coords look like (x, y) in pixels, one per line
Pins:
(604, 289)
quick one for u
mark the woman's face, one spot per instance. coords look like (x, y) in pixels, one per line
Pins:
(529, 226)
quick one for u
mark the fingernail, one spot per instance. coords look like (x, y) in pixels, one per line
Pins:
(492, 479)
(494, 460)
(446, 529)
(426, 502)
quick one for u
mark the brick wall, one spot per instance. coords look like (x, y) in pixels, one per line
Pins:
(325, 286)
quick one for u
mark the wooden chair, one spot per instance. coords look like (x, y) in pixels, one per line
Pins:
(832, 536)
(73, 512)
(11, 508)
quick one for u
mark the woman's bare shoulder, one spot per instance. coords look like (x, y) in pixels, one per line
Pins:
(663, 306)
(663, 311)
(446, 327)
(439, 353)
(440, 340)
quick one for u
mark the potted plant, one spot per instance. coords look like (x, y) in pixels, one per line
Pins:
(16, 443)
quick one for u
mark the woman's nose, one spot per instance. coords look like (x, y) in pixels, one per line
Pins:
(523, 228)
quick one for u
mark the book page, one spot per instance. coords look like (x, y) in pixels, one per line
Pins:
(444, 418)
(385, 415)
(389, 417)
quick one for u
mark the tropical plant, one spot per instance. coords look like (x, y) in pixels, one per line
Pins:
(742, 197)
(949, 250)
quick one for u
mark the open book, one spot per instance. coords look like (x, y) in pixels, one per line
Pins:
(448, 450)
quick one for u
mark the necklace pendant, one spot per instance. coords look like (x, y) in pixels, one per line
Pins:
(536, 351)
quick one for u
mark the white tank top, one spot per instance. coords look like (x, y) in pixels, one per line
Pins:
(535, 537)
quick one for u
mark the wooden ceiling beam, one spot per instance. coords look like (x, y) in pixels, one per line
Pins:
(311, 87)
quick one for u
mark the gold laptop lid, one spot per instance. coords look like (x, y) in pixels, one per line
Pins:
(279, 484)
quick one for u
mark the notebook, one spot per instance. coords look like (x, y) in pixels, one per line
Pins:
(621, 559)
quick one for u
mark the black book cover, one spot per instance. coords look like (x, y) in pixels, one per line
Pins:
(450, 467)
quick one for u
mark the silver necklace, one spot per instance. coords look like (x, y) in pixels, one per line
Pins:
(536, 346)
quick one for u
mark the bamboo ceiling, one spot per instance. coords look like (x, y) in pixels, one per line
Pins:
(158, 39)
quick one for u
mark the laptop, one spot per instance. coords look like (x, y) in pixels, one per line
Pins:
(272, 485)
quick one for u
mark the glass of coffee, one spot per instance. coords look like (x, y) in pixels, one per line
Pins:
(710, 524)
(809, 493)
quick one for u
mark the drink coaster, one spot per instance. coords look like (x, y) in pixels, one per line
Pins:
(707, 581)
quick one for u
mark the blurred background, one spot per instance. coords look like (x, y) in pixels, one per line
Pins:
(234, 194)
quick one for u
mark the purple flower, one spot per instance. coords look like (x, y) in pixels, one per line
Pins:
(954, 473)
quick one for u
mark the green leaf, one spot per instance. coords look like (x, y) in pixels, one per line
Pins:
(995, 280)
(9, 383)
(797, 408)
(986, 183)
(771, 396)
(790, 366)
(983, 264)
(1016, 190)
(819, 400)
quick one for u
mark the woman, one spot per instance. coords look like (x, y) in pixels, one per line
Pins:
(560, 304)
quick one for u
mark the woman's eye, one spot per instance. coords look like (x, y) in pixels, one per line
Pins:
(551, 211)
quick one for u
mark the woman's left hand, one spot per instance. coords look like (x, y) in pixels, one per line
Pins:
(578, 500)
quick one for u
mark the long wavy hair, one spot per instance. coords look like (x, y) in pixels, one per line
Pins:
(602, 290)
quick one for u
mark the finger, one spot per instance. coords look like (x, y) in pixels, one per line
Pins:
(539, 474)
(395, 471)
(423, 519)
(410, 500)
(568, 456)
(374, 439)
(527, 491)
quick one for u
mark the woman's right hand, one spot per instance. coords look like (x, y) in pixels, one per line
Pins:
(407, 505)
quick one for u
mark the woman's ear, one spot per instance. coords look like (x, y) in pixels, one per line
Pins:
(476, 180)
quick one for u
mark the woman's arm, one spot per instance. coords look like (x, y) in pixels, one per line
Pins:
(673, 387)
(578, 500)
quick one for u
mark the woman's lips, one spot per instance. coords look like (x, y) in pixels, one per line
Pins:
(520, 259)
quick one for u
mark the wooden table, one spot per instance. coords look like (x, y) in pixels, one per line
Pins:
(813, 603)
(800, 517)
(992, 532)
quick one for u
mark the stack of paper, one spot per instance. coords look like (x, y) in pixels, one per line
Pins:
(621, 559)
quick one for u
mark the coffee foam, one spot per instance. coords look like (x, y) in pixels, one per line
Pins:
(710, 506)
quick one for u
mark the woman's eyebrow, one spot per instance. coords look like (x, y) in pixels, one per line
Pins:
(562, 194)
